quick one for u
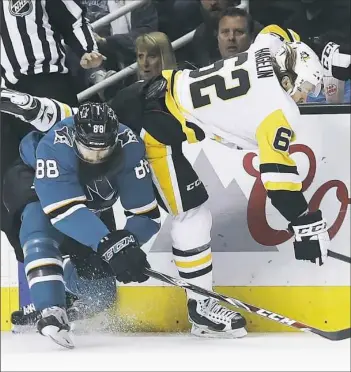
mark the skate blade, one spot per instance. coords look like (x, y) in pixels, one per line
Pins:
(61, 337)
(200, 331)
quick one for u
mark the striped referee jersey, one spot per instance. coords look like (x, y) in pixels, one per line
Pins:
(33, 32)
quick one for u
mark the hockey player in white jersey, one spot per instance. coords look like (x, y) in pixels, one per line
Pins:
(248, 101)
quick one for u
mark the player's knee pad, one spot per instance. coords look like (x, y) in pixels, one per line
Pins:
(98, 294)
(44, 270)
(191, 235)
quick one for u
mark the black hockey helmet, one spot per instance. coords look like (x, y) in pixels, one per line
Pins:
(96, 131)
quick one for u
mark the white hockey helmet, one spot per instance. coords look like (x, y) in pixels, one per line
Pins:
(299, 58)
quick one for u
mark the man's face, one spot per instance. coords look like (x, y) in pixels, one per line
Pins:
(233, 36)
(214, 7)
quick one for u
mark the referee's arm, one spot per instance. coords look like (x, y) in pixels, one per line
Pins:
(68, 17)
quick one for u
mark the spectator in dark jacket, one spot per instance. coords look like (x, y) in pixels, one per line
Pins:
(235, 32)
(316, 20)
(319, 22)
(205, 44)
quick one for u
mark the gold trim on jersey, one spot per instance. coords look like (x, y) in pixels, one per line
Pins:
(278, 169)
(67, 110)
(63, 203)
(173, 104)
(164, 176)
(144, 209)
(286, 34)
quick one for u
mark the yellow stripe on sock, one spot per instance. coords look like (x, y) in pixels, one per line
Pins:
(190, 264)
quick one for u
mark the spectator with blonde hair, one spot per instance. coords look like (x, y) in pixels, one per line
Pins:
(154, 53)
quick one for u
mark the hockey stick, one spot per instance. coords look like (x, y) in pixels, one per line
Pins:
(330, 335)
(339, 256)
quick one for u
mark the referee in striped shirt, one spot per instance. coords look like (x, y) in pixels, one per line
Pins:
(32, 57)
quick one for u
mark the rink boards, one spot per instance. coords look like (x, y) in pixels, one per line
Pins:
(253, 255)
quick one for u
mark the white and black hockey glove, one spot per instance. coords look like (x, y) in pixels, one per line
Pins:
(311, 237)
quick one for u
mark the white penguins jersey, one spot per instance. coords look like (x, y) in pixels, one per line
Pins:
(231, 98)
(239, 102)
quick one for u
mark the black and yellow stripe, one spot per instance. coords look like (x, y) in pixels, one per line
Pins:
(278, 169)
(193, 263)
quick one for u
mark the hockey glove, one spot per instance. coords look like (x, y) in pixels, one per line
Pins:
(311, 237)
(121, 250)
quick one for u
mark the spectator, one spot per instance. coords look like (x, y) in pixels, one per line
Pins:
(205, 43)
(178, 17)
(157, 47)
(33, 61)
(97, 9)
(154, 53)
(269, 12)
(235, 32)
(119, 47)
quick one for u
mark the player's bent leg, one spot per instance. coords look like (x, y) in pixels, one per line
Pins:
(193, 258)
(95, 295)
(44, 271)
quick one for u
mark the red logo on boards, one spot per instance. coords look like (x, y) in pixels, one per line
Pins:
(256, 209)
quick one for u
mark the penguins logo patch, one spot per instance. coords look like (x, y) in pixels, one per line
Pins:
(20, 8)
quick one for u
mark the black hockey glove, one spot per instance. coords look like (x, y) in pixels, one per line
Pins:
(121, 250)
(311, 237)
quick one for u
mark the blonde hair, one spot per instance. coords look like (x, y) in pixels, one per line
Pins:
(160, 44)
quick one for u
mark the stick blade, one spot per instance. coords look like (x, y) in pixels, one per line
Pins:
(343, 334)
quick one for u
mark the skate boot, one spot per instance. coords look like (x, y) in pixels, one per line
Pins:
(210, 319)
(25, 319)
(22, 105)
(54, 324)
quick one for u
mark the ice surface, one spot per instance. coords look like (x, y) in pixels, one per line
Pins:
(175, 352)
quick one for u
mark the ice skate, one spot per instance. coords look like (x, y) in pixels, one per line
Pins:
(25, 319)
(54, 324)
(210, 319)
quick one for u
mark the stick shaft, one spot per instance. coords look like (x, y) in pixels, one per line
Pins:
(334, 336)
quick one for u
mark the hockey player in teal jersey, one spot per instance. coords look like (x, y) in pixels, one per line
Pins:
(82, 166)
